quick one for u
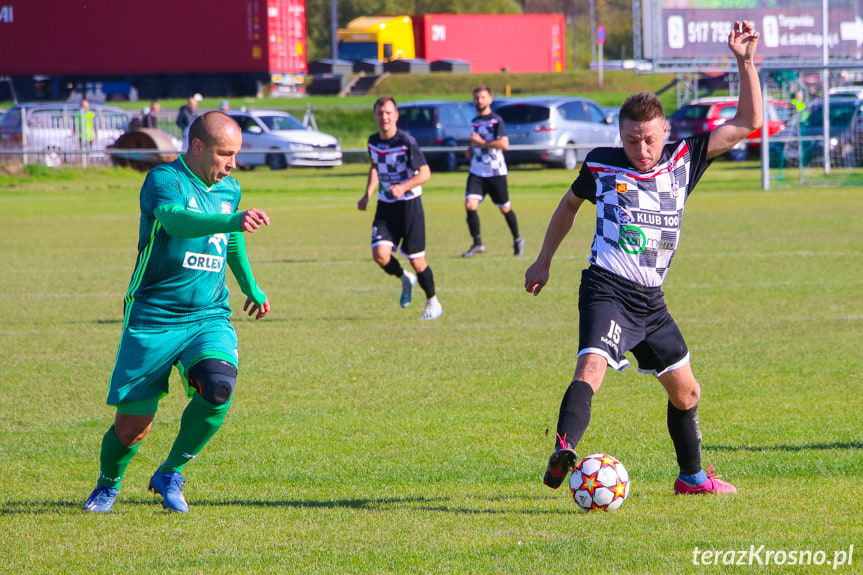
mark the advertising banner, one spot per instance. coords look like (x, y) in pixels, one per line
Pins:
(791, 30)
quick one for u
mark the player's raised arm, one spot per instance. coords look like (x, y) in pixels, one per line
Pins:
(742, 41)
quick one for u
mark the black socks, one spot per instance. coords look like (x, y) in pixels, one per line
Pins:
(574, 413)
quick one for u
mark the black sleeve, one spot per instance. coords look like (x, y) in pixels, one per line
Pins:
(499, 129)
(584, 185)
(698, 154)
(417, 159)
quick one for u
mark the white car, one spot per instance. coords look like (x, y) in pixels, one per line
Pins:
(278, 140)
(49, 132)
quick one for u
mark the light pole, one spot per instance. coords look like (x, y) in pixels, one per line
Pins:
(334, 29)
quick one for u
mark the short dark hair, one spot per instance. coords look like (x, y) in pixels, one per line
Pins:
(481, 88)
(383, 100)
(641, 107)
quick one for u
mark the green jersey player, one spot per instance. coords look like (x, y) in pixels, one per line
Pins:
(176, 310)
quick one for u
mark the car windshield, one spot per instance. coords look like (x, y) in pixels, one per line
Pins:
(282, 123)
(416, 117)
(11, 120)
(727, 111)
(691, 113)
(524, 114)
(841, 114)
(783, 113)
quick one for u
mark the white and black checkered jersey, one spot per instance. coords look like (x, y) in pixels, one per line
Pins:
(638, 215)
(397, 160)
(487, 162)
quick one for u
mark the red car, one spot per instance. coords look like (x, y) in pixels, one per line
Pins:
(704, 114)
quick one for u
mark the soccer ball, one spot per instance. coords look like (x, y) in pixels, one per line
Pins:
(599, 481)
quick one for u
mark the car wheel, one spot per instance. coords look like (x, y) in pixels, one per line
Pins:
(276, 161)
(570, 159)
(449, 161)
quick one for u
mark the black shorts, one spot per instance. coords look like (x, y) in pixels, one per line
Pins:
(495, 186)
(401, 223)
(617, 315)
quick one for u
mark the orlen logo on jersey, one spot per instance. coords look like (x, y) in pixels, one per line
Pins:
(203, 262)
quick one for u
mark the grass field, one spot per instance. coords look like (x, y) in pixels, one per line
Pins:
(362, 440)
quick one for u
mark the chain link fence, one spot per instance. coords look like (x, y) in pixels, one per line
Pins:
(60, 134)
(823, 141)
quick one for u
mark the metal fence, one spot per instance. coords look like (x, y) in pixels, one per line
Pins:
(53, 138)
(58, 135)
(823, 142)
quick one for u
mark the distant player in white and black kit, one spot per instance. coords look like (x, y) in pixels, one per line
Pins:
(488, 141)
(640, 191)
(397, 172)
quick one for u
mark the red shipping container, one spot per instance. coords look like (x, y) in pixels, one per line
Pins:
(493, 42)
(51, 37)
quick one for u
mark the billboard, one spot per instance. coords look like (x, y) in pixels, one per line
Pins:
(679, 32)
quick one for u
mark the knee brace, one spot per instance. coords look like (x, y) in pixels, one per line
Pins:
(214, 379)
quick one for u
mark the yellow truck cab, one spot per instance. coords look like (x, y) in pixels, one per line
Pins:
(383, 38)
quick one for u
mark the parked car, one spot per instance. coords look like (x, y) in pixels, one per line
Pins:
(803, 141)
(704, 114)
(439, 123)
(50, 132)
(540, 128)
(847, 92)
(785, 111)
(278, 140)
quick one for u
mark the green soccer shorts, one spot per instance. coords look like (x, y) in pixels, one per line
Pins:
(145, 358)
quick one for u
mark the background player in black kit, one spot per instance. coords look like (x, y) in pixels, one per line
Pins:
(640, 191)
(397, 172)
(488, 171)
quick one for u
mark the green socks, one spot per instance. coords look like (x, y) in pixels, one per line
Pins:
(114, 460)
(200, 422)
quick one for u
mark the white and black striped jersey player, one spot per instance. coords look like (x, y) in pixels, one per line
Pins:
(487, 162)
(395, 160)
(638, 214)
(488, 141)
(640, 192)
(397, 172)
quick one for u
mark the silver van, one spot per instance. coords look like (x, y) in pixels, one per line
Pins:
(556, 130)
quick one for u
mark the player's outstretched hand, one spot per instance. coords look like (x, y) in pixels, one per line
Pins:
(251, 308)
(535, 278)
(253, 218)
(743, 40)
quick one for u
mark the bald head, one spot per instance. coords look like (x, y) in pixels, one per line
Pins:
(214, 142)
(211, 126)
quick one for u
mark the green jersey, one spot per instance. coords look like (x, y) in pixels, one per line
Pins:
(188, 232)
